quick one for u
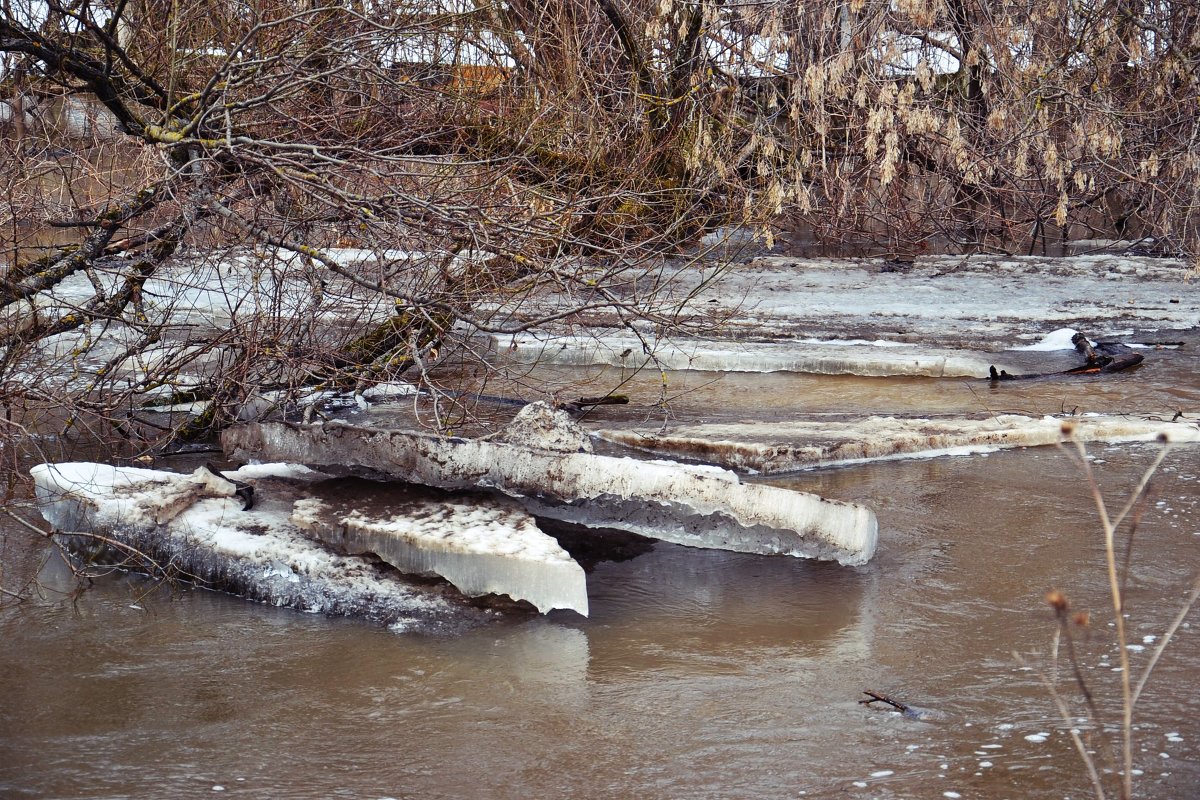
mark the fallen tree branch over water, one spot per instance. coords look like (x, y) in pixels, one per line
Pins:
(304, 210)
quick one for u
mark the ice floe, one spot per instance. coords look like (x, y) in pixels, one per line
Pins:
(785, 446)
(256, 553)
(690, 505)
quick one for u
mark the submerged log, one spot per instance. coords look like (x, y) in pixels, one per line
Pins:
(694, 506)
(1104, 357)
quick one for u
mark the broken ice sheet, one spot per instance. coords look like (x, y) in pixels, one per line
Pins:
(483, 545)
(258, 554)
(697, 506)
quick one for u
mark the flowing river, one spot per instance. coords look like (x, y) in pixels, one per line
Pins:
(699, 673)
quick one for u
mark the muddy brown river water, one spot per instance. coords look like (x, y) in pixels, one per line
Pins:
(700, 674)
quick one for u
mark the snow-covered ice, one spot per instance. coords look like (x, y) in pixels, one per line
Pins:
(821, 357)
(257, 553)
(694, 506)
(975, 303)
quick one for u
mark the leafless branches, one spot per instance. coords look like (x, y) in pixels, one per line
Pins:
(290, 197)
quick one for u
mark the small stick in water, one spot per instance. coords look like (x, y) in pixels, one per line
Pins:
(877, 697)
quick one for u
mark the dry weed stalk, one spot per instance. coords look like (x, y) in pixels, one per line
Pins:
(1117, 569)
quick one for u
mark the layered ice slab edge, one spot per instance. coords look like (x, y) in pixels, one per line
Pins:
(690, 505)
(482, 547)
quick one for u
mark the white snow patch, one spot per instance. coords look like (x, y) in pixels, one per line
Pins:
(278, 469)
(278, 569)
(195, 407)
(1055, 340)
(384, 391)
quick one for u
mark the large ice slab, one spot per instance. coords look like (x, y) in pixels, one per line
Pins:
(192, 523)
(482, 545)
(786, 446)
(694, 506)
(828, 357)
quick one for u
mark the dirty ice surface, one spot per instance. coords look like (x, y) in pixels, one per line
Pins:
(695, 506)
(942, 316)
(846, 316)
(782, 446)
(812, 356)
(192, 524)
(481, 545)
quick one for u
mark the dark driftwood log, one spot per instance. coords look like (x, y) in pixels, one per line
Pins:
(1103, 358)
